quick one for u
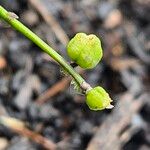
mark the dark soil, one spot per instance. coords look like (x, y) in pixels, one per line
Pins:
(26, 72)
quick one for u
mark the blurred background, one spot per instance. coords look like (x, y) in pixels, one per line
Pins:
(39, 108)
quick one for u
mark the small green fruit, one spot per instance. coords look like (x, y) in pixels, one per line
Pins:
(85, 50)
(98, 99)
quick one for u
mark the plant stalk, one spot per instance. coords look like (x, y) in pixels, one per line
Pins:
(11, 19)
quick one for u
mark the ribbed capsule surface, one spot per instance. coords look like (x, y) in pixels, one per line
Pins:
(85, 50)
(97, 99)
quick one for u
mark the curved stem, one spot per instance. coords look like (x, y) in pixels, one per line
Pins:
(10, 18)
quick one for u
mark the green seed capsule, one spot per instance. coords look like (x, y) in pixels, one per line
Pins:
(85, 50)
(98, 99)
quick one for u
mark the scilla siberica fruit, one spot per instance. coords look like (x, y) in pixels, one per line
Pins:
(85, 50)
(98, 99)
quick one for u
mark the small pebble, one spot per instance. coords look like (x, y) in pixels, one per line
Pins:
(3, 143)
(3, 62)
(30, 17)
(113, 20)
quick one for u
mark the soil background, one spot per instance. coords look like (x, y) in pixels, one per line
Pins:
(39, 108)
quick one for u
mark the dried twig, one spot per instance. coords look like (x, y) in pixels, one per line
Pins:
(58, 87)
(19, 127)
(119, 64)
(55, 89)
(136, 46)
(50, 20)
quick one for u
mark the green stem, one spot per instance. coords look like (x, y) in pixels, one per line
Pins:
(10, 19)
